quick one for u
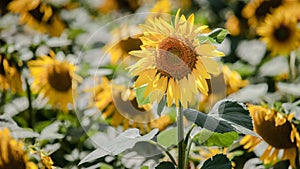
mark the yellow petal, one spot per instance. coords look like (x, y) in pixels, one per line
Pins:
(211, 65)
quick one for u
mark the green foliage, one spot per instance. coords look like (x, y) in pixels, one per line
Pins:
(219, 161)
(216, 36)
(209, 138)
(140, 96)
(165, 165)
(168, 137)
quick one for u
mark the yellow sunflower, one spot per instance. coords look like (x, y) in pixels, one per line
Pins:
(233, 80)
(114, 5)
(12, 154)
(256, 10)
(160, 8)
(10, 77)
(125, 39)
(54, 80)
(173, 61)
(277, 130)
(38, 15)
(280, 32)
(120, 108)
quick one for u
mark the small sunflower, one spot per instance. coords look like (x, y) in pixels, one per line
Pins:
(233, 80)
(114, 5)
(12, 154)
(280, 32)
(120, 108)
(54, 80)
(125, 39)
(10, 77)
(277, 130)
(173, 61)
(256, 10)
(38, 15)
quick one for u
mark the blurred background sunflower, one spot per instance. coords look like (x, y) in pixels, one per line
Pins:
(54, 80)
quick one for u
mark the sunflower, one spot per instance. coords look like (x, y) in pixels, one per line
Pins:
(277, 130)
(38, 15)
(12, 154)
(280, 32)
(54, 80)
(173, 61)
(10, 77)
(160, 8)
(114, 5)
(256, 10)
(120, 108)
(125, 39)
(233, 80)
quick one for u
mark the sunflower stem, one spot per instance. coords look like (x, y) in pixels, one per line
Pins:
(292, 72)
(181, 143)
(30, 110)
(188, 144)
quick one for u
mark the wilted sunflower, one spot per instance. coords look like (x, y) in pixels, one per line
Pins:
(120, 108)
(233, 80)
(277, 130)
(280, 32)
(10, 77)
(38, 15)
(12, 154)
(173, 61)
(54, 80)
(125, 39)
(256, 10)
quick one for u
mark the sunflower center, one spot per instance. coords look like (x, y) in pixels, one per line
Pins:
(130, 44)
(2, 70)
(59, 77)
(276, 136)
(36, 13)
(282, 33)
(175, 58)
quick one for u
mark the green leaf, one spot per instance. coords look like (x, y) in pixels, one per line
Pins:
(225, 116)
(124, 141)
(168, 137)
(209, 138)
(219, 161)
(161, 105)
(218, 34)
(165, 165)
(144, 167)
(140, 97)
(105, 166)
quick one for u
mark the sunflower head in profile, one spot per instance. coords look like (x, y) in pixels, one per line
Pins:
(54, 80)
(10, 77)
(280, 32)
(277, 130)
(172, 60)
(38, 15)
(125, 39)
(256, 10)
(12, 153)
(120, 108)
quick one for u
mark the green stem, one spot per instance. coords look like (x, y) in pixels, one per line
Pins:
(188, 143)
(181, 143)
(30, 110)
(164, 149)
(2, 99)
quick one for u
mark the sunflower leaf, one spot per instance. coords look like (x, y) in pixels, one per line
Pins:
(209, 138)
(217, 161)
(140, 96)
(218, 34)
(165, 165)
(168, 137)
(225, 116)
(124, 141)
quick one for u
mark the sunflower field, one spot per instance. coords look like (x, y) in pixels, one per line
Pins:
(149, 84)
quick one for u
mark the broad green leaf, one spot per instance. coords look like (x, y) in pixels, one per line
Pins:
(219, 161)
(140, 96)
(168, 137)
(105, 166)
(144, 167)
(124, 141)
(165, 165)
(218, 35)
(209, 138)
(225, 116)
